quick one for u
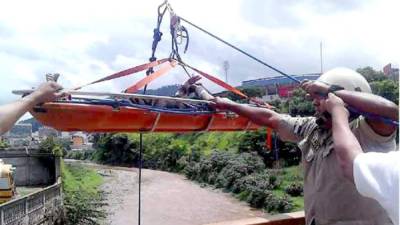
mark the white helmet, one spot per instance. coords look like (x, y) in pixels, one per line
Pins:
(347, 78)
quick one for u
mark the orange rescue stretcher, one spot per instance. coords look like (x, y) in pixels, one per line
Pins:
(129, 112)
(119, 113)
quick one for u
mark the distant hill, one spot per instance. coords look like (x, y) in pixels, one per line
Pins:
(34, 122)
(20, 131)
(168, 90)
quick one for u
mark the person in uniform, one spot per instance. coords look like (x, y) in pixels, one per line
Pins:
(329, 197)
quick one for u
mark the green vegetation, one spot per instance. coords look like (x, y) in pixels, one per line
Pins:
(388, 89)
(52, 145)
(3, 145)
(79, 155)
(83, 200)
(237, 162)
(380, 84)
(371, 75)
(246, 176)
(292, 176)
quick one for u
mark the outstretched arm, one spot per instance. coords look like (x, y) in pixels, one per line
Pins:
(10, 113)
(345, 143)
(363, 102)
(261, 116)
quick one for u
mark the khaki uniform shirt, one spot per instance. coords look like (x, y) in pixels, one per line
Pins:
(329, 198)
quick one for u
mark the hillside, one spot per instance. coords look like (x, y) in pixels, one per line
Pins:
(34, 122)
(168, 90)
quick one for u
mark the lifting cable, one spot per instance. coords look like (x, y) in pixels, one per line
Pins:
(157, 34)
(352, 109)
(241, 51)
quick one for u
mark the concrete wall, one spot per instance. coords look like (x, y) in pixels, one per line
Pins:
(44, 207)
(32, 168)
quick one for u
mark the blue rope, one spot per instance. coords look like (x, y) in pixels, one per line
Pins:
(373, 116)
(196, 110)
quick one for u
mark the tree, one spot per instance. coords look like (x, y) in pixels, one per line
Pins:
(388, 89)
(116, 149)
(3, 144)
(371, 75)
(53, 146)
(380, 84)
(299, 105)
(249, 91)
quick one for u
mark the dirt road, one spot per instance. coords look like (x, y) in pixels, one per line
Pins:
(167, 199)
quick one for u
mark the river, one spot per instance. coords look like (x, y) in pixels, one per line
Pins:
(168, 199)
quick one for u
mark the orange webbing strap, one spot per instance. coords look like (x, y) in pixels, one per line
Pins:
(218, 82)
(164, 69)
(261, 103)
(269, 138)
(126, 72)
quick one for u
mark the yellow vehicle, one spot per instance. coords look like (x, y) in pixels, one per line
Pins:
(7, 185)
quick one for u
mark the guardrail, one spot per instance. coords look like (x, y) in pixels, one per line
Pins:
(41, 207)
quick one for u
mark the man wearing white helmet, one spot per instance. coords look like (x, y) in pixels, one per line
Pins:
(330, 198)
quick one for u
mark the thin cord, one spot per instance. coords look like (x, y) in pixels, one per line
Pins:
(240, 50)
(140, 177)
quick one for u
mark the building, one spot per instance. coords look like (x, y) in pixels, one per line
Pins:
(80, 141)
(391, 72)
(19, 135)
(278, 87)
(45, 132)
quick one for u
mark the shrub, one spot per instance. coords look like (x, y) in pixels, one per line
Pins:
(3, 144)
(294, 189)
(79, 155)
(52, 145)
(208, 168)
(229, 175)
(115, 149)
(257, 196)
(278, 204)
(190, 170)
(244, 164)
(262, 180)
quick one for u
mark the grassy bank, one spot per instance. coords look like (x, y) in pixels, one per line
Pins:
(83, 199)
(289, 176)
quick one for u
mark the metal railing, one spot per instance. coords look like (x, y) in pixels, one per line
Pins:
(43, 206)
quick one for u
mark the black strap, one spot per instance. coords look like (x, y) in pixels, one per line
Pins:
(333, 88)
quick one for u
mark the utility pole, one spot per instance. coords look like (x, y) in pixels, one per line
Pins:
(226, 68)
(320, 55)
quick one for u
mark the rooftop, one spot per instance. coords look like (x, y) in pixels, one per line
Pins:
(279, 80)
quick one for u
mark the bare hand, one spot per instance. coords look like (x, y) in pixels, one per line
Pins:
(47, 92)
(315, 89)
(334, 104)
(193, 80)
(221, 103)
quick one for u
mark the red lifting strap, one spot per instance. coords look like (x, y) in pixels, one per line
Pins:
(164, 69)
(126, 72)
(268, 140)
(218, 82)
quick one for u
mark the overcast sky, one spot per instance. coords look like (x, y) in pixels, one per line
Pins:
(86, 40)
